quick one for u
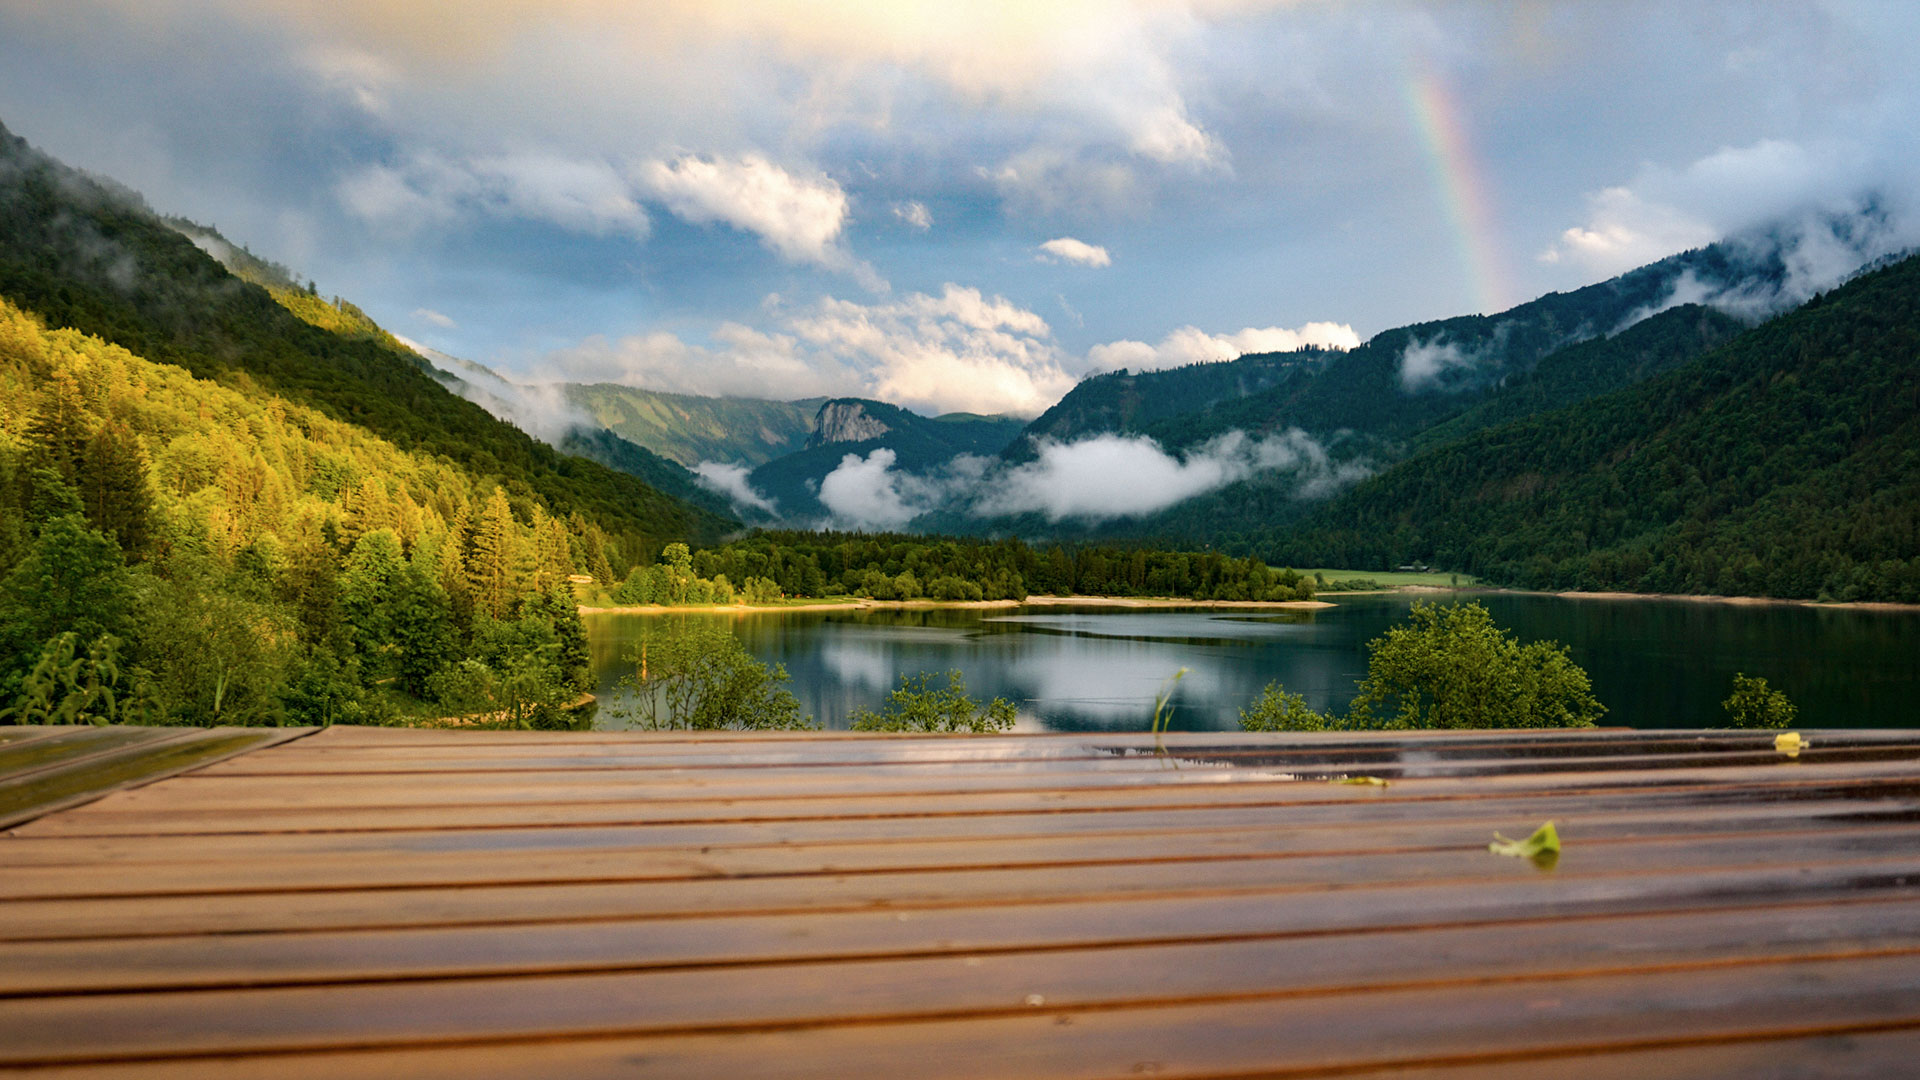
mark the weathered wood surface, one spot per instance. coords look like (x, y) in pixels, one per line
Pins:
(369, 902)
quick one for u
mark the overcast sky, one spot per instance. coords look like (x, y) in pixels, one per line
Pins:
(958, 205)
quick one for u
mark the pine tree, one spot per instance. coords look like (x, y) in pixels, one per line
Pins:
(113, 487)
(59, 428)
(492, 567)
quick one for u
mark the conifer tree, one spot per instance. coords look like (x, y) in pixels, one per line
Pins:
(492, 568)
(113, 487)
(59, 428)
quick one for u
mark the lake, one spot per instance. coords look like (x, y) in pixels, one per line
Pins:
(1655, 663)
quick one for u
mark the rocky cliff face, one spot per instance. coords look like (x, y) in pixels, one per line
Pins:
(845, 421)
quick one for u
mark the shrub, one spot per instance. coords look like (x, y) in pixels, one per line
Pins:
(1451, 667)
(1278, 710)
(1754, 704)
(917, 707)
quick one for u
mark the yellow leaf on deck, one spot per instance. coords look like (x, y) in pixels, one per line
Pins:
(1374, 780)
(1789, 743)
(1545, 839)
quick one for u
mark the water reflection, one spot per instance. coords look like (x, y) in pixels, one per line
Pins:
(1654, 663)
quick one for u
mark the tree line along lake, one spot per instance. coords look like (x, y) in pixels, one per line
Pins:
(1655, 662)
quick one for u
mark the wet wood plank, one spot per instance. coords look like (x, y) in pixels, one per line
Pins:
(375, 903)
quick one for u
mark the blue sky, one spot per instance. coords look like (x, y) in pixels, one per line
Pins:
(958, 206)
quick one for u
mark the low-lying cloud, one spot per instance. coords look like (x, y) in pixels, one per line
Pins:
(1091, 480)
(731, 481)
(1425, 364)
(1113, 476)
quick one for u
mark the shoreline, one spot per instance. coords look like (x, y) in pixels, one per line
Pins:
(1140, 602)
(1742, 601)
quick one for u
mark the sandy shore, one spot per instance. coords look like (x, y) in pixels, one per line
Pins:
(1031, 601)
(1755, 601)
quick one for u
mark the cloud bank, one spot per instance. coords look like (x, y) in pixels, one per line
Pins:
(1191, 345)
(1091, 480)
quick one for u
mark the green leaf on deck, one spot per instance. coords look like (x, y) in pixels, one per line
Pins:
(1544, 840)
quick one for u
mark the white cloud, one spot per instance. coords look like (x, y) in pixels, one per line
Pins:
(914, 213)
(577, 194)
(1109, 476)
(445, 322)
(1191, 345)
(731, 481)
(1078, 252)
(801, 218)
(1663, 210)
(866, 492)
(958, 351)
(1424, 362)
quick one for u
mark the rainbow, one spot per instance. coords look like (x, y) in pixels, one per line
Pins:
(1457, 180)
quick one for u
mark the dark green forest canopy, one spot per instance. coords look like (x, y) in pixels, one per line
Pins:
(902, 567)
(83, 254)
(1785, 463)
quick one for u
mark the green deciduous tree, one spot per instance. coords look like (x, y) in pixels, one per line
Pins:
(1754, 704)
(1451, 667)
(918, 707)
(698, 675)
(1279, 710)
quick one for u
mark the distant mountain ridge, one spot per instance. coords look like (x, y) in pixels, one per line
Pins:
(858, 427)
(691, 429)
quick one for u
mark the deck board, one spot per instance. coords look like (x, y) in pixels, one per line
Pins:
(375, 902)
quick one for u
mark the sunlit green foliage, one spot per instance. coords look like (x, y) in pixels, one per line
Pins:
(1279, 710)
(1754, 704)
(698, 675)
(918, 707)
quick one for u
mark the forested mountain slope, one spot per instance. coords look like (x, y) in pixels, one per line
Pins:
(1785, 463)
(79, 253)
(691, 429)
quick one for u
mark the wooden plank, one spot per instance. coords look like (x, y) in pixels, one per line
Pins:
(1855, 1052)
(1075, 934)
(645, 754)
(142, 758)
(1233, 857)
(1360, 825)
(1498, 889)
(128, 814)
(1064, 1032)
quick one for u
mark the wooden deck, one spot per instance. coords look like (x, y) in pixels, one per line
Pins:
(381, 903)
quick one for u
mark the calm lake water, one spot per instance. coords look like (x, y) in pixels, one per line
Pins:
(1655, 663)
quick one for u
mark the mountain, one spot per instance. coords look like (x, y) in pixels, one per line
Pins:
(85, 254)
(1122, 402)
(843, 426)
(1784, 463)
(691, 429)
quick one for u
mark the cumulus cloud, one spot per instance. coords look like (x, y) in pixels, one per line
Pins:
(540, 409)
(800, 217)
(444, 322)
(914, 213)
(1191, 345)
(869, 493)
(958, 351)
(731, 481)
(578, 194)
(1078, 252)
(1109, 476)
